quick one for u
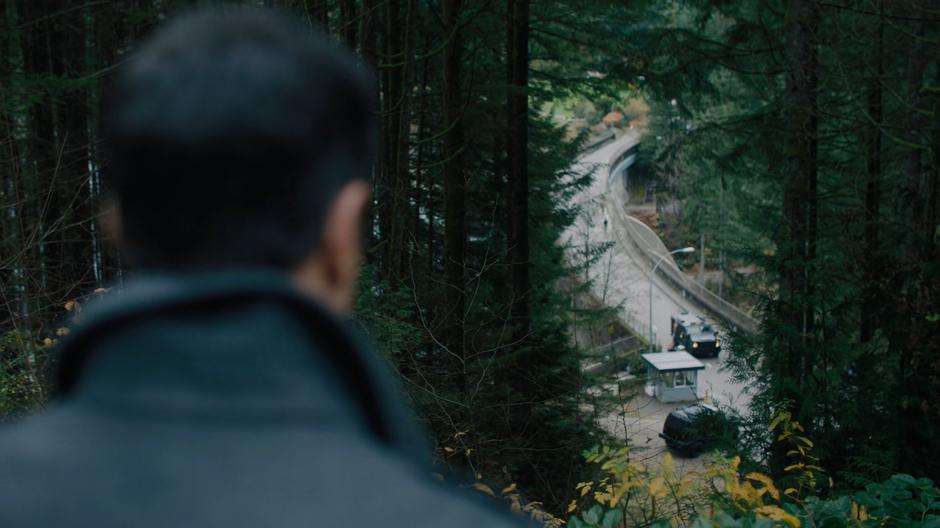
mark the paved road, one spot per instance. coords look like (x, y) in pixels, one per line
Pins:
(621, 279)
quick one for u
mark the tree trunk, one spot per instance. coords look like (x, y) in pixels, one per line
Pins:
(455, 231)
(40, 155)
(369, 53)
(913, 435)
(517, 160)
(109, 33)
(422, 199)
(394, 203)
(367, 32)
(348, 23)
(797, 244)
(931, 222)
(16, 147)
(319, 13)
(871, 270)
(911, 202)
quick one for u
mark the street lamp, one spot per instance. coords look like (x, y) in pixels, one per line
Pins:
(689, 249)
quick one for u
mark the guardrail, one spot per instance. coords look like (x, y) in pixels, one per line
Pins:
(731, 314)
(638, 328)
(599, 142)
(620, 346)
(652, 248)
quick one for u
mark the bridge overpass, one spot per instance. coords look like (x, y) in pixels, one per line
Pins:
(637, 246)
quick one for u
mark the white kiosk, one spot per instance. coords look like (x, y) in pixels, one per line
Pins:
(673, 376)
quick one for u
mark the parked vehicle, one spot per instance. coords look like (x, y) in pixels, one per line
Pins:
(690, 430)
(697, 337)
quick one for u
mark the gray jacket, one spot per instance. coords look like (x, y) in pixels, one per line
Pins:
(225, 400)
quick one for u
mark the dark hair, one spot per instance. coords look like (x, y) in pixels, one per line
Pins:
(229, 135)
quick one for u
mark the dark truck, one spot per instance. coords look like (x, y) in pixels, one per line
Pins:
(690, 430)
(695, 335)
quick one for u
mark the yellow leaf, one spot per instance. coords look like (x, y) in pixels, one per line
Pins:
(769, 486)
(658, 487)
(479, 486)
(777, 419)
(101, 290)
(778, 514)
(859, 512)
(47, 342)
(735, 462)
(509, 489)
(69, 306)
(685, 484)
(759, 477)
(748, 493)
(573, 506)
(617, 495)
(449, 449)
(667, 464)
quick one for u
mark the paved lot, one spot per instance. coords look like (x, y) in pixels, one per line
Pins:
(642, 417)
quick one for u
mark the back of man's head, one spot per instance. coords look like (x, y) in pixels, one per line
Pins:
(229, 134)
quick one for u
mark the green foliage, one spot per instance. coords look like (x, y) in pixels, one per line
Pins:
(386, 315)
(634, 493)
(505, 406)
(861, 363)
(22, 361)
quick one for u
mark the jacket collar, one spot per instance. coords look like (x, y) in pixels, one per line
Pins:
(362, 379)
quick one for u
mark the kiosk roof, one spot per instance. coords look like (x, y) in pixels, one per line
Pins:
(668, 361)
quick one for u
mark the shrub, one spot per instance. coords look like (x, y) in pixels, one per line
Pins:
(630, 493)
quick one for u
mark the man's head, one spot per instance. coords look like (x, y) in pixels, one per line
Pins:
(241, 139)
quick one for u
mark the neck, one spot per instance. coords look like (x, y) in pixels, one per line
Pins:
(311, 277)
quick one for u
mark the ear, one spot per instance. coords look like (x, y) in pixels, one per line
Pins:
(109, 219)
(340, 251)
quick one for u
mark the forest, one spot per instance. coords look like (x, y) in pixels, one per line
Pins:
(795, 144)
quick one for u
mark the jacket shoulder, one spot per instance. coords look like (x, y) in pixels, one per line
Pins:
(59, 467)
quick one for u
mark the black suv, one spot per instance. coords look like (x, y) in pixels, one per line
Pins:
(692, 429)
(695, 335)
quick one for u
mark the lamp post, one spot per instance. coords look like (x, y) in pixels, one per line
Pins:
(689, 249)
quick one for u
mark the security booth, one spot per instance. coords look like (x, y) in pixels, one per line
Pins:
(673, 376)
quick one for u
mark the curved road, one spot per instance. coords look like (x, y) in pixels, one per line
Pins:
(620, 278)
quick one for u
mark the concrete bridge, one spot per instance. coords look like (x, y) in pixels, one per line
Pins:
(604, 206)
